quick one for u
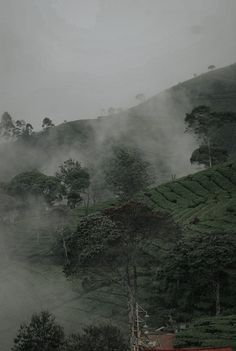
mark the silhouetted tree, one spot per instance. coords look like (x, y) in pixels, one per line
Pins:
(42, 333)
(206, 125)
(75, 178)
(35, 184)
(97, 338)
(47, 123)
(126, 172)
(7, 126)
(211, 67)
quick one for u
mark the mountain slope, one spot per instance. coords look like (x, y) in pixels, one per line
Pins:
(156, 127)
(203, 202)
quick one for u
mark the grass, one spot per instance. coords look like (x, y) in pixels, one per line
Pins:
(217, 331)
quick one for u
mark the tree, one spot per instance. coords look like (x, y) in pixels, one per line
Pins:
(197, 272)
(211, 67)
(140, 97)
(97, 338)
(41, 333)
(206, 125)
(75, 179)
(35, 184)
(23, 129)
(112, 250)
(47, 123)
(201, 155)
(7, 126)
(126, 172)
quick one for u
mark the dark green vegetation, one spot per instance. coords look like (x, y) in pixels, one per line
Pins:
(43, 333)
(197, 276)
(126, 172)
(209, 127)
(121, 251)
(75, 180)
(207, 332)
(190, 276)
(204, 202)
(97, 338)
(34, 184)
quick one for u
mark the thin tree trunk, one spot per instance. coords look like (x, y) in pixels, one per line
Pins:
(209, 152)
(65, 248)
(131, 308)
(218, 307)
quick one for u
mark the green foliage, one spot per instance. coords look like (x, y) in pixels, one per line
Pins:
(207, 126)
(201, 155)
(126, 171)
(41, 333)
(92, 244)
(217, 331)
(202, 201)
(97, 338)
(75, 179)
(35, 184)
(196, 276)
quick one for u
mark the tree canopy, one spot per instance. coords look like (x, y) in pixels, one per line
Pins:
(126, 171)
(37, 184)
(42, 333)
(97, 338)
(75, 179)
(207, 125)
(196, 275)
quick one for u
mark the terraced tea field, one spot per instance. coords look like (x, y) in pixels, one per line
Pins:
(203, 202)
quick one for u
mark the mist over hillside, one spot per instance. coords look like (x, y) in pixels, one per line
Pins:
(31, 276)
(155, 126)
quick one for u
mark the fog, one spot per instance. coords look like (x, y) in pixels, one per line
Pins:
(70, 59)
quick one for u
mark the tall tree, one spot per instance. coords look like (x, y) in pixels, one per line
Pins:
(197, 272)
(42, 333)
(126, 171)
(206, 125)
(76, 180)
(7, 126)
(112, 250)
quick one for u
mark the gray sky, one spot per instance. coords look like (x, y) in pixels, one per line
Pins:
(68, 59)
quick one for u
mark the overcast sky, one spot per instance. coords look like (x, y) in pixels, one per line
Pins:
(68, 59)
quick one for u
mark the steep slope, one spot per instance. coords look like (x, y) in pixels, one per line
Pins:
(203, 202)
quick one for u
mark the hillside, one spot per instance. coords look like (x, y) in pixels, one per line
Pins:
(156, 127)
(202, 202)
(26, 252)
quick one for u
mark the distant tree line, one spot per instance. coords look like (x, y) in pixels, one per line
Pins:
(11, 130)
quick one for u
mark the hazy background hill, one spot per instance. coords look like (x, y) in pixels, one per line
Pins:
(156, 126)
